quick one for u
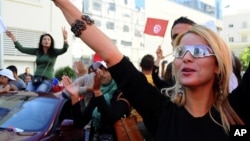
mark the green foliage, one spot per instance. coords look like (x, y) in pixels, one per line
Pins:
(68, 71)
(245, 57)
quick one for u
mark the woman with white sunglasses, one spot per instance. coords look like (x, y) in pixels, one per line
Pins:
(198, 107)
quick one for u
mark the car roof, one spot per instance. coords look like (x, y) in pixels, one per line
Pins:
(25, 94)
(29, 93)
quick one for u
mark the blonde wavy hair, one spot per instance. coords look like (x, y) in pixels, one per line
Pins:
(221, 90)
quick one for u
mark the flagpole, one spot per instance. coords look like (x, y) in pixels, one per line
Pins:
(168, 55)
(162, 40)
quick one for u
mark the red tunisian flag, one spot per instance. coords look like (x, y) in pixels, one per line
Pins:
(156, 27)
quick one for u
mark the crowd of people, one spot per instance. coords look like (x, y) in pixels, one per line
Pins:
(199, 96)
(197, 106)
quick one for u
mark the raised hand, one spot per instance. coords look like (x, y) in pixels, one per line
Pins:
(159, 53)
(66, 80)
(97, 83)
(72, 89)
(97, 80)
(79, 68)
(65, 34)
(11, 35)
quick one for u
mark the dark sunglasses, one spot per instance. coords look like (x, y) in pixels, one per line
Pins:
(197, 51)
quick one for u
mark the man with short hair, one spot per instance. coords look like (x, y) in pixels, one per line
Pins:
(27, 72)
(147, 65)
(180, 25)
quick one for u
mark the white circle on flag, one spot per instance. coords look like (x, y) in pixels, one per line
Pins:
(157, 28)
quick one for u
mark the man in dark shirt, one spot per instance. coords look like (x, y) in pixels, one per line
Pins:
(27, 72)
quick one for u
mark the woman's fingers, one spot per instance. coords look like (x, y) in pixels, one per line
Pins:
(66, 81)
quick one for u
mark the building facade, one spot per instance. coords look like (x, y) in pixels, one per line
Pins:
(237, 31)
(122, 20)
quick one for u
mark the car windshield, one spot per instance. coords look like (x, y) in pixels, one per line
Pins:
(28, 113)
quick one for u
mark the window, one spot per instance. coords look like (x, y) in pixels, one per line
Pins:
(138, 33)
(141, 44)
(111, 7)
(230, 25)
(114, 41)
(126, 43)
(244, 38)
(231, 39)
(86, 60)
(26, 37)
(126, 15)
(85, 6)
(110, 25)
(244, 24)
(125, 28)
(97, 6)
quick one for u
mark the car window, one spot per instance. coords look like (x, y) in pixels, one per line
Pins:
(27, 113)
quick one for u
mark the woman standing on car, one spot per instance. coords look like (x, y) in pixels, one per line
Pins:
(46, 55)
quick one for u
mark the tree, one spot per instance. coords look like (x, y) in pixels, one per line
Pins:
(65, 71)
(245, 57)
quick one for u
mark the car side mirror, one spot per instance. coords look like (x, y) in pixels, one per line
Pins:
(67, 124)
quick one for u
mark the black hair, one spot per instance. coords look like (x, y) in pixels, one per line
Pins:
(147, 62)
(90, 68)
(237, 68)
(181, 20)
(12, 68)
(52, 45)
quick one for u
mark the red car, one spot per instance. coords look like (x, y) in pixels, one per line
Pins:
(27, 116)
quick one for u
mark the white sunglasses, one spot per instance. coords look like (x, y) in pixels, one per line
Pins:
(197, 51)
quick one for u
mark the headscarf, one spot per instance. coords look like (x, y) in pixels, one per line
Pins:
(107, 91)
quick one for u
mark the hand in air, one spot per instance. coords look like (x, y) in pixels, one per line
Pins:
(79, 68)
(97, 80)
(72, 89)
(159, 53)
(65, 34)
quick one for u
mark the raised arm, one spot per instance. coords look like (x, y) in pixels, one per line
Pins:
(27, 50)
(104, 46)
(65, 34)
(11, 35)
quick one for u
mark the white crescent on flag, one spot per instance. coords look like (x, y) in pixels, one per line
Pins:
(157, 28)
